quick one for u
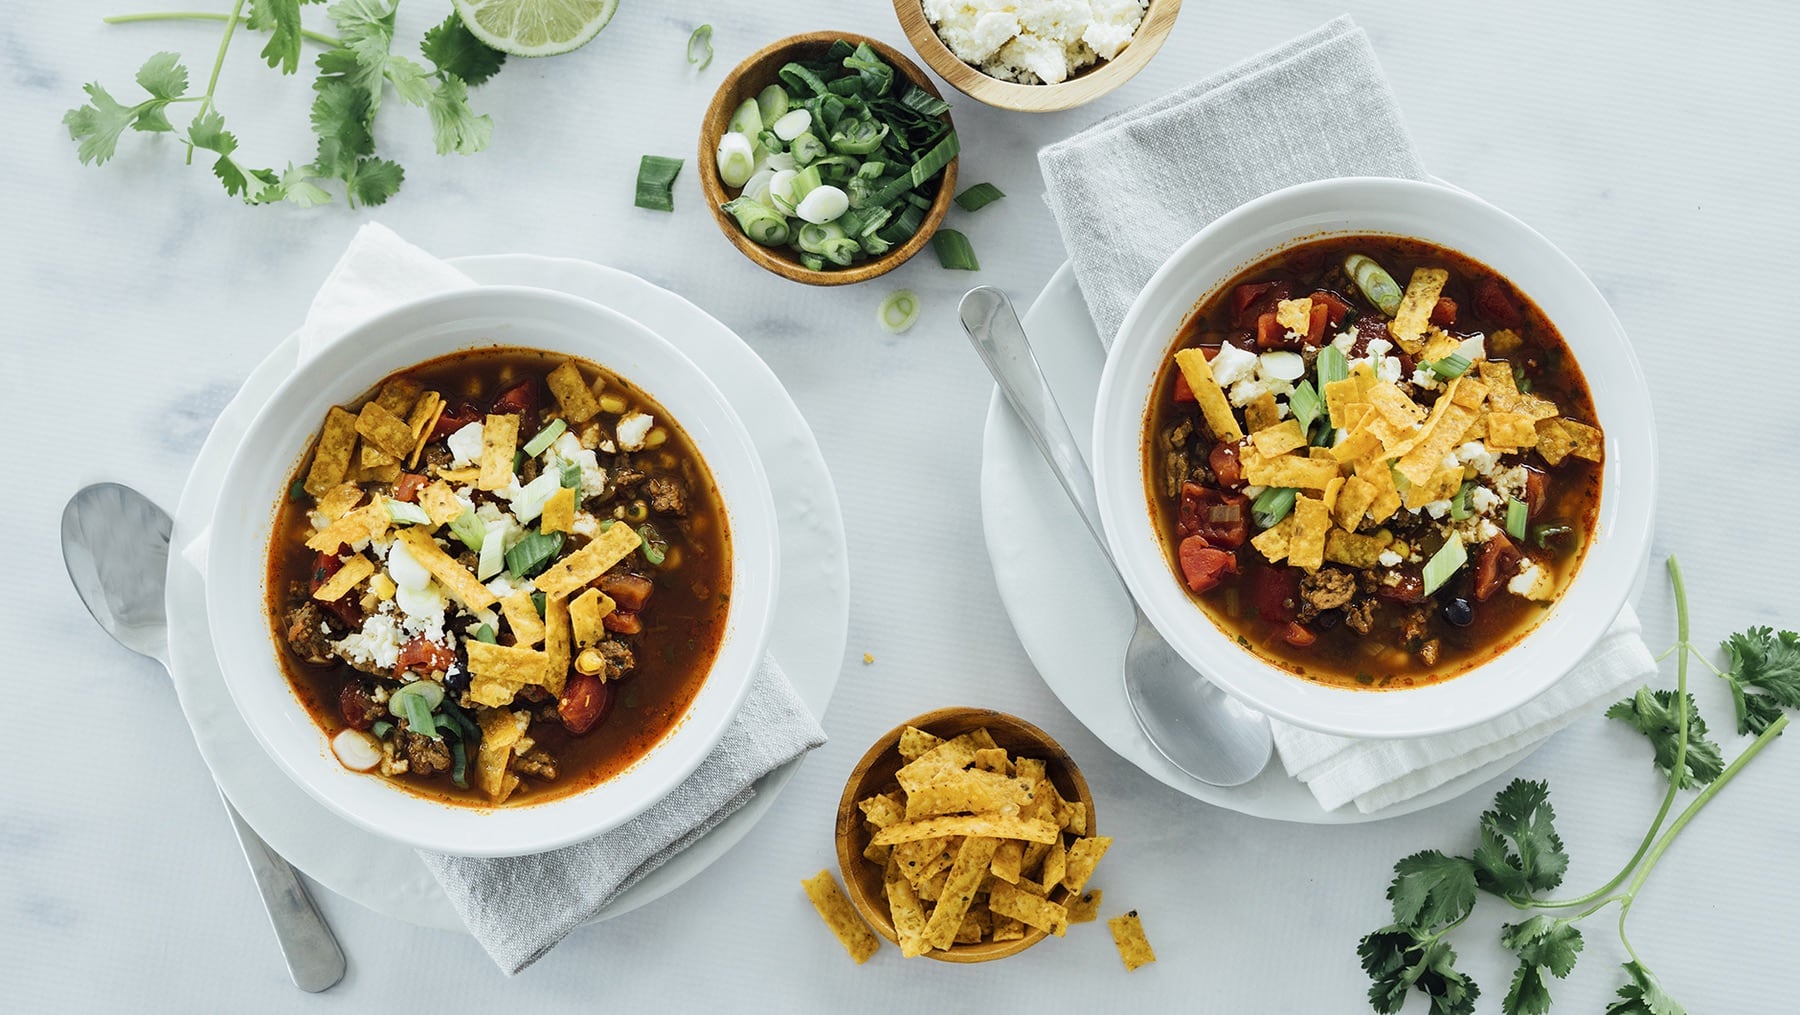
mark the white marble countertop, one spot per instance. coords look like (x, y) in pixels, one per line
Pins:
(1650, 141)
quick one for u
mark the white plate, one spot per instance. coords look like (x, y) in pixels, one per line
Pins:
(810, 627)
(1069, 610)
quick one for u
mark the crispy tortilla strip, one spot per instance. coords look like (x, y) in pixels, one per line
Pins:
(1445, 431)
(559, 512)
(612, 545)
(1290, 470)
(991, 825)
(1387, 497)
(936, 764)
(423, 423)
(365, 523)
(959, 890)
(1353, 502)
(500, 730)
(1589, 442)
(1438, 344)
(1421, 297)
(440, 502)
(331, 456)
(1341, 398)
(1468, 392)
(1332, 490)
(931, 889)
(347, 577)
(1085, 908)
(1279, 439)
(1357, 551)
(1007, 928)
(385, 431)
(371, 460)
(920, 859)
(973, 927)
(967, 791)
(340, 500)
(1031, 863)
(499, 443)
(1006, 862)
(398, 395)
(1273, 542)
(500, 671)
(522, 616)
(907, 913)
(1306, 543)
(1361, 444)
(557, 654)
(1128, 937)
(1511, 431)
(915, 741)
(445, 569)
(1055, 866)
(460, 477)
(1214, 407)
(1442, 486)
(882, 809)
(1394, 406)
(1261, 412)
(1504, 394)
(828, 898)
(993, 759)
(578, 403)
(1295, 315)
(1006, 900)
(1084, 856)
(877, 855)
(587, 616)
(1554, 440)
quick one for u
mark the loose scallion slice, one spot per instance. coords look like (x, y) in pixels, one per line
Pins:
(469, 528)
(898, 311)
(381, 728)
(529, 502)
(1306, 405)
(533, 553)
(1516, 513)
(1375, 283)
(571, 475)
(806, 148)
(772, 103)
(761, 223)
(656, 182)
(1548, 535)
(491, 558)
(654, 547)
(736, 158)
(923, 102)
(459, 755)
(404, 513)
(812, 262)
(545, 437)
(1444, 564)
(1333, 366)
(700, 54)
(486, 633)
(297, 492)
(1459, 504)
(747, 119)
(953, 250)
(1451, 366)
(978, 197)
(1272, 505)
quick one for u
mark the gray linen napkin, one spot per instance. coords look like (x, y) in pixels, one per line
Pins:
(1130, 189)
(519, 907)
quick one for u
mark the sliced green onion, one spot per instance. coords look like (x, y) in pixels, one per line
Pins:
(1515, 517)
(800, 80)
(953, 250)
(414, 702)
(736, 158)
(529, 502)
(297, 491)
(806, 181)
(1333, 365)
(1375, 282)
(923, 102)
(978, 197)
(783, 193)
(1306, 405)
(459, 755)
(812, 262)
(1459, 504)
(538, 602)
(1451, 366)
(545, 437)
(813, 236)
(772, 103)
(761, 223)
(747, 119)
(571, 475)
(873, 73)
(533, 553)
(898, 311)
(1444, 564)
(806, 148)
(1547, 535)
(792, 124)
(469, 528)
(904, 225)
(381, 728)
(486, 633)
(656, 182)
(927, 167)
(1272, 505)
(700, 54)
(491, 558)
(654, 547)
(404, 513)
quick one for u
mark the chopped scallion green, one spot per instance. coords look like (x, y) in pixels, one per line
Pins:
(1333, 366)
(1306, 405)
(898, 312)
(469, 528)
(545, 437)
(1459, 504)
(1548, 535)
(571, 475)
(1272, 505)
(491, 558)
(406, 513)
(381, 728)
(538, 601)
(1375, 283)
(486, 633)
(656, 182)
(1451, 366)
(297, 492)
(459, 755)
(1444, 564)
(953, 250)
(533, 553)
(1515, 517)
(978, 197)
(700, 54)
(654, 547)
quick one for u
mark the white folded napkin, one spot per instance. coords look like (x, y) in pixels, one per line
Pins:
(518, 908)
(1129, 190)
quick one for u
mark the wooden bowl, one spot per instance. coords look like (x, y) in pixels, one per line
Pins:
(757, 72)
(875, 774)
(1085, 86)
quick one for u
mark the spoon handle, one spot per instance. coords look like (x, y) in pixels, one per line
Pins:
(314, 960)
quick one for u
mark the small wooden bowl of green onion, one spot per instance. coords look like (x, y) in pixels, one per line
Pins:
(828, 158)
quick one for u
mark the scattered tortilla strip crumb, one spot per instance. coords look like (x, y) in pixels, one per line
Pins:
(612, 545)
(572, 393)
(1085, 908)
(347, 577)
(1084, 856)
(499, 442)
(331, 456)
(1128, 937)
(828, 898)
(1213, 405)
(1295, 315)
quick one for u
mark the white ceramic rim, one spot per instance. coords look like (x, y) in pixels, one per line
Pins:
(506, 316)
(1462, 222)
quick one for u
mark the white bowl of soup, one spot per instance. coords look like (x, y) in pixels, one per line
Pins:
(494, 572)
(1375, 457)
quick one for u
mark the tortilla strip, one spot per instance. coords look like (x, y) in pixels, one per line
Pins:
(1353, 502)
(331, 456)
(612, 545)
(959, 890)
(1008, 929)
(353, 571)
(365, 523)
(1279, 439)
(440, 502)
(1041, 914)
(556, 643)
(423, 421)
(572, 393)
(559, 512)
(838, 915)
(1421, 297)
(522, 617)
(967, 791)
(1085, 908)
(993, 825)
(1007, 860)
(1213, 405)
(1273, 542)
(936, 764)
(1261, 413)
(499, 442)
(1442, 434)
(398, 395)
(1290, 470)
(339, 500)
(915, 741)
(907, 913)
(385, 432)
(1306, 543)
(1128, 937)
(587, 616)
(882, 809)
(446, 570)
(1295, 315)
(499, 732)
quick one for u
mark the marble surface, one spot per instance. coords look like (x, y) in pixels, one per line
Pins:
(1649, 140)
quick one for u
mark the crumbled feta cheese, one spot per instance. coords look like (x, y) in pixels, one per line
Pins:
(1378, 347)
(1424, 377)
(504, 585)
(1438, 508)
(1473, 348)
(1246, 391)
(1387, 368)
(465, 445)
(377, 644)
(1532, 581)
(1510, 483)
(1345, 340)
(422, 610)
(1281, 365)
(1034, 41)
(1389, 558)
(585, 525)
(1232, 364)
(632, 428)
(1477, 454)
(1483, 500)
(568, 450)
(1253, 491)
(1486, 530)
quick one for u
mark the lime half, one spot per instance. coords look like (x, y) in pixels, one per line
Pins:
(536, 27)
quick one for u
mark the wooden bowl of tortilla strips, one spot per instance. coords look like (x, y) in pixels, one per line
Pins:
(967, 835)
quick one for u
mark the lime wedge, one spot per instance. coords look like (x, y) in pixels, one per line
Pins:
(536, 27)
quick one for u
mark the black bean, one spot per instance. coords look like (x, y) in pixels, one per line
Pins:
(456, 682)
(1458, 611)
(1328, 619)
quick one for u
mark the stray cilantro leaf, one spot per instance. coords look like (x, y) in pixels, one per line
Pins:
(163, 76)
(452, 49)
(1542, 943)
(98, 124)
(253, 185)
(1643, 995)
(281, 19)
(1431, 889)
(1520, 852)
(1398, 959)
(411, 81)
(339, 118)
(297, 187)
(1767, 662)
(454, 126)
(1652, 713)
(373, 181)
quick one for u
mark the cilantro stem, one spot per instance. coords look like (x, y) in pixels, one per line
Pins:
(125, 19)
(212, 82)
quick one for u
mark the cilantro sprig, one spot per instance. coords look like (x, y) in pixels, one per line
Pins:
(356, 71)
(1519, 857)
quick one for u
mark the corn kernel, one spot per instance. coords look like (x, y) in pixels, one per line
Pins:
(613, 404)
(590, 662)
(656, 437)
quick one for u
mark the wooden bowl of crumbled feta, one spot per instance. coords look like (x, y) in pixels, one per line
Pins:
(1036, 56)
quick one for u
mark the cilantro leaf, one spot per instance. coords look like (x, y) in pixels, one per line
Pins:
(453, 49)
(1399, 959)
(365, 34)
(411, 82)
(1520, 852)
(1542, 943)
(340, 119)
(1767, 662)
(1431, 889)
(163, 76)
(454, 126)
(255, 186)
(297, 187)
(98, 124)
(281, 19)
(1643, 995)
(372, 181)
(1652, 713)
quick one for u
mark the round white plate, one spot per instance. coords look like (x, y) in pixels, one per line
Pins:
(811, 621)
(1069, 610)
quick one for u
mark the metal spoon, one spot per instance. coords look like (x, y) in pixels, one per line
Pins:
(115, 544)
(1199, 728)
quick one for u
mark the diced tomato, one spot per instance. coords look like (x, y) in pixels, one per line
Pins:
(1183, 393)
(1270, 334)
(1204, 566)
(1222, 519)
(1494, 566)
(522, 398)
(450, 422)
(1493, 303)
(1275, 593)
(584, 702)
(1315, 326)
(354, 704)
(344, 608)
(1227, 466)
(628, 590)
(1368, 328)
(1443, 312)
(1537, 490)
(1297, 635)
(407, 487)
(624, 622)
(1409, 589)
(1336, 307)
(1246, 296)
(425, 657)
(1257, 298)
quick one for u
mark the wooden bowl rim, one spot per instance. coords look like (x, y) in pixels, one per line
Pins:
(778, 260)
(1088, 84)
(849, 821)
